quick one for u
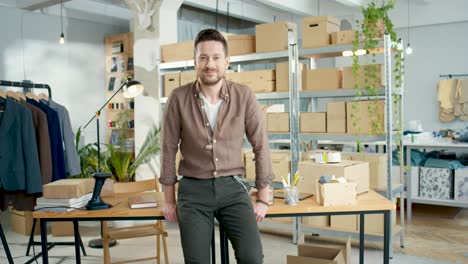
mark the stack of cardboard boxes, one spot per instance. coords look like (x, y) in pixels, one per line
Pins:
(340, 118)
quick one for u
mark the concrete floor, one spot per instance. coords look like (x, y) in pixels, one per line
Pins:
(276, 247)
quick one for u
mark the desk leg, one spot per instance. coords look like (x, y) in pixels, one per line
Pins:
(213, 248)
(45, 254)
(105, 242)
(224, 244)
(5, 246)
(409, 195)
(386, 237)
(76, 232)
(361, 238)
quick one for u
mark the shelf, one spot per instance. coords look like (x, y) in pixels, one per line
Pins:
(340, 232)
(254, 57)
(439, 202)
(329, 51)
(396, 230)
(317, 94)
(329, 136)
(397, 189)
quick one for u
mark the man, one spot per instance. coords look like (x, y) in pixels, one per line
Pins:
(207, 120)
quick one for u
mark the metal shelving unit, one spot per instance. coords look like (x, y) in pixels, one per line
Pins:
(293, 55)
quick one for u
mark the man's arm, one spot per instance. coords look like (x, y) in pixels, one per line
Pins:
(170, 143)
(256, 134)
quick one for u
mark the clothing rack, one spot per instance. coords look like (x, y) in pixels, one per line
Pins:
(452, 75)
(27, 85)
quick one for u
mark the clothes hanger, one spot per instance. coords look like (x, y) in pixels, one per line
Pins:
(32, 96)
(21, 95)
(13, 95)
(43, 96)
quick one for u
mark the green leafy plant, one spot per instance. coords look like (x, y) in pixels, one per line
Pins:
(121, 163)
(375, 22)
(88, 156)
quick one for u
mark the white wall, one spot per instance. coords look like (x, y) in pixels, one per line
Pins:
(437, 49)
(75, 71)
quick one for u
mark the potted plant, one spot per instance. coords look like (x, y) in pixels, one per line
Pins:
(375, 22)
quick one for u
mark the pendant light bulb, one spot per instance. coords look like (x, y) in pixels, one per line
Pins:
(409, 50)
(62, 39)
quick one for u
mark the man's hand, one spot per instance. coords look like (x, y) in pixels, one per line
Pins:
(260, 211)
(170, 212)
(170, 206)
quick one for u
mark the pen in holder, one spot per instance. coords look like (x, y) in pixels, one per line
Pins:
(291, 195)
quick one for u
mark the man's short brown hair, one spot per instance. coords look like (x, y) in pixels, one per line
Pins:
(210, 35)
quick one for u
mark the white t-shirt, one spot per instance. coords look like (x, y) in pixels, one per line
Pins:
(211, 110)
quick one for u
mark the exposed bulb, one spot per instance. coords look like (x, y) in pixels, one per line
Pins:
(409, 50)
(62, 39)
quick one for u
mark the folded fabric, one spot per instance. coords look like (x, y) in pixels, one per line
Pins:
(445, 164)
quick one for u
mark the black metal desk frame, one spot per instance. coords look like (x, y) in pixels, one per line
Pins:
(224, 244)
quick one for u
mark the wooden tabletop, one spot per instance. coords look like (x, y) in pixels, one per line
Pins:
(370, 201)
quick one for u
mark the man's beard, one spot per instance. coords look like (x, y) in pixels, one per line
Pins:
(210, 81)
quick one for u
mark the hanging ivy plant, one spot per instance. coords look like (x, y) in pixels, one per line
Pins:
(376, 22)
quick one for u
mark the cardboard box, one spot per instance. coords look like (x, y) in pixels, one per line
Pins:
(342, 37)
(356, 171)
(273, 37)
(436, 183)
(281, 162)
(313, 122)
(316, 30)
(21, 222)
(241, 44)
(62, 229)
(377, 167)
(251, 76)
(344, 222)
(336, 117)
(322, 254)
(364, 121)
(260, 81)
(187, 77)
(68, 188)
(374, 223)
(177, 51)
(336, 194)
(461, 185)
(282, 75)
(324, 79)
(349, 81)
(278, 122)
(171, 81)
(262, 86)
(316, 221)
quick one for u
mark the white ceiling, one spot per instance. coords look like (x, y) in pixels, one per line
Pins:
(423, 12)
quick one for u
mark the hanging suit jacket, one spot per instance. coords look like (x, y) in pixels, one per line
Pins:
(55, 138)
(71, 155)
(43, 143)
(19, 162)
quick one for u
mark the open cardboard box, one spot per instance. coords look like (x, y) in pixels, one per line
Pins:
(335, 194)
(322, 254)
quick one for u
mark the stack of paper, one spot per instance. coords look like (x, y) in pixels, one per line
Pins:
(61, 204)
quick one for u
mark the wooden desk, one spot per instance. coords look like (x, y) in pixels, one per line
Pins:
(369, 203)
